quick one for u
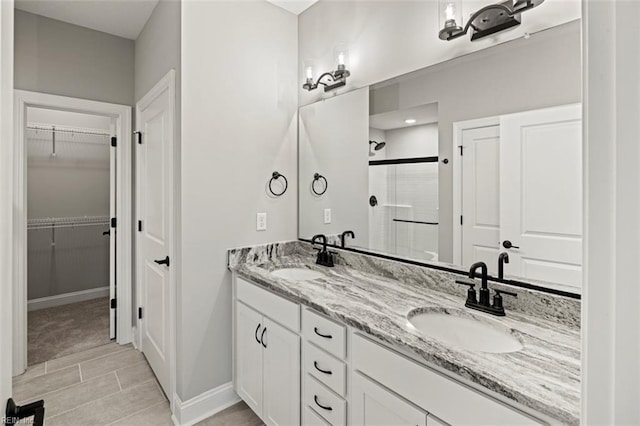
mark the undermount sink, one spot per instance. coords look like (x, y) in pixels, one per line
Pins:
(465, 332)
(297, 274)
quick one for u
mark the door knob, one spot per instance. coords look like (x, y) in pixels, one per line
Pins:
(507, 244)
(164, 261)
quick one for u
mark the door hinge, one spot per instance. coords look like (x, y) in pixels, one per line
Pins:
(139, 135)
(139, 226)
(114, 303)
(114, 222)
(460, 219)
(114, 141)
(140, 313)
(461, 149)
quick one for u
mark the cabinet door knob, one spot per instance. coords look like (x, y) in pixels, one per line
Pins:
(256, 333)
(315, 398)
(315, 364)
(326, 336)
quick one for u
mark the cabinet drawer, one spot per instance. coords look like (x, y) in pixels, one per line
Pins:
(430, 390)
(327, 404)
(329, 370)
(281, 310)
(311, 418)
(325, 333)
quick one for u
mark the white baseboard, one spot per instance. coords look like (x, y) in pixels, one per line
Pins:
(204, 405)
(66, 298)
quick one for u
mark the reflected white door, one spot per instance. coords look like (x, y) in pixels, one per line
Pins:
(541, 194)
(155, 123)
(481, 196)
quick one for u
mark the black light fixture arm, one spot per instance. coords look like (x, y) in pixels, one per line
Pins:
(473, 17)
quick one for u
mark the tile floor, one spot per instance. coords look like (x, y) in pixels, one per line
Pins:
(107, 385)
(64, 330)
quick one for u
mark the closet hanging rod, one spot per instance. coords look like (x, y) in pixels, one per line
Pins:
(67, 130)
(70, 225)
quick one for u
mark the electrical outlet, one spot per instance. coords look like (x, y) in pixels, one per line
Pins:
(327, 216)
(261, 222)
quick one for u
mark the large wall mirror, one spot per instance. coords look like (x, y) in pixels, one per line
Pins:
(457, 163)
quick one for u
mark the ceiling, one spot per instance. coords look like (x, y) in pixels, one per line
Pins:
(124, 18)
(423, 114)
(293, 6)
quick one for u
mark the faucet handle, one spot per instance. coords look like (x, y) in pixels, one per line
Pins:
(471, 293)
(497, 298)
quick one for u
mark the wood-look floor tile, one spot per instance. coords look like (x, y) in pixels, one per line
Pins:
(68, 398)
(44, 384)
(156, 415)
(87, 355)
(99, 366)
(237, 415)
(33, 371)
(111, 408)
(135, 374)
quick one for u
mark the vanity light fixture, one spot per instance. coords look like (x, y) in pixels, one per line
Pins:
(330, 80)
(486, 21)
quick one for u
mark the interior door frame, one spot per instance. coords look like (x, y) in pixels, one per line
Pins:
(168, 82)
(122, 116)
(458, 129)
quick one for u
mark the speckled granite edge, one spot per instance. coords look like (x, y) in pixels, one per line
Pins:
(546, 306)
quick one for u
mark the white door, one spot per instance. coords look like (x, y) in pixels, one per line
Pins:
(112, 239)
(249, 328)
(281, 365)
(374, 405)
(541, 194)
(155, 120)
(481, 196)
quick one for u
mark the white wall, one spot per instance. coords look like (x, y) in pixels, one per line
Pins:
(239, 124)
(610, 315)
(6, 203)
(76, 182)
(333, 142)
(63, 59)
(414, 141)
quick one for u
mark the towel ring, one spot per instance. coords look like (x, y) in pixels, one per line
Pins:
(274, 177)
(317, 177)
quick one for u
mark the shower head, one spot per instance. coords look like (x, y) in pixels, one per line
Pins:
(379, 145)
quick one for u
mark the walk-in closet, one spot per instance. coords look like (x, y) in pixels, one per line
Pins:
(69, 179)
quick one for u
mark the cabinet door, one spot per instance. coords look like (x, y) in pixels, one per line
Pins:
(374, 405)
(281, 375)
(249, 376)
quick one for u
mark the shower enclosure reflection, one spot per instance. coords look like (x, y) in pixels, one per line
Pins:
(403, 178)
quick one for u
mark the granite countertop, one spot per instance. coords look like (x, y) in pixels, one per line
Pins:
(544, 375)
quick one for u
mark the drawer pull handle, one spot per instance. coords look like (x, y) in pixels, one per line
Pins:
(315, 364)
(326, 336)
(256, 333)
(315, 398)
(262, 337)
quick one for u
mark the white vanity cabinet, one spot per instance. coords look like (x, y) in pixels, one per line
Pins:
(293, 366)
(372, 404)
(267, 354)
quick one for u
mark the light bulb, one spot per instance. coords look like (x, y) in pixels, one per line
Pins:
(450, 12)
(341, 58)
(309, 73)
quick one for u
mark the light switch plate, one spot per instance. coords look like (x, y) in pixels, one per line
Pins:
(327, 216)
(261, 222)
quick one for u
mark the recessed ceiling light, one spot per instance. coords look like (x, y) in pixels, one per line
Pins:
(410, 120)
